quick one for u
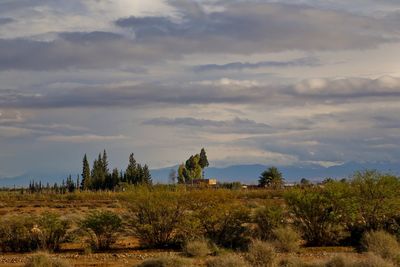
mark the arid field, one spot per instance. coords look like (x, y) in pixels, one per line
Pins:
(344, 223)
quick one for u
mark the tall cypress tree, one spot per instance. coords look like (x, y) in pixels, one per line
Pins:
(98, 176)
(131, 170)
(139, 175)
(203, 161)
(146, 179)
(86, 181)
(104, 161)
(114, 178)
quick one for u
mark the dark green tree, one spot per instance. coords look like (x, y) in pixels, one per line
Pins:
(98, 175)
(114, 178)
(203, 161)
(182, 174)
(70, 185)
(131, 170)
(86, 181)
(104, 161)
(146, 179)
(139, 175)
(271, 177)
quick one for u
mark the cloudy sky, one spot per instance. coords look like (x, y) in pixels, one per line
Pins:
(283, 82)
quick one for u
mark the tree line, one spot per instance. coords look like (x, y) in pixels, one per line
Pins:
(99, 177)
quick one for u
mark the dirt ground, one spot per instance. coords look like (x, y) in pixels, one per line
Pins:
(133, 257)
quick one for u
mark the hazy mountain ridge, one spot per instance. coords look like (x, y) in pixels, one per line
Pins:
(249, 173)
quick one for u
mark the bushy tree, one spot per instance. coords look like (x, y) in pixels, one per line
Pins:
(103, 228)
(222, 218)
(320, 213)
(376, 196)
(271, 178)
(52, 230)
(159, 216)
(267, 219)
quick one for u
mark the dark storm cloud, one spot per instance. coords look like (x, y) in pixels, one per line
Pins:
(7, 6)
(340, 144)
(128, 96)
(93, 50)
(5, 21)
(247, 28)
(305, 62)
(236, 125)
(241, 28)
(309, 91)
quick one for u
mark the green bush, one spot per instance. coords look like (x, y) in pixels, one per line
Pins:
(375, 201)
(197, 248)
(16, 234)
(43, 260)
(383, 244)
(320, 213)
(161, 217)
(261, 254)
(166, 262)
(286, 239)
(267, 219)
(377, 197)
(227, 260)
(52, 231)
(222, 218)
(103, 228)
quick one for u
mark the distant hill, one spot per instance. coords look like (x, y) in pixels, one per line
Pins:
(249, 173)
(243, 173)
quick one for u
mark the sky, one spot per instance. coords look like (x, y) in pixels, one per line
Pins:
(284, 82)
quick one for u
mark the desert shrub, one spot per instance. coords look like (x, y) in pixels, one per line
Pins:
(222, 218)
(373, 260)
(16, 234)
(102, 228)
(165, 262)
(286, 239)
(338, 261)
(227, 260)
(370, 260)
(261, 254)
(52, 231)
(296, 262)
(382, 243)
(375, 199)
(226, 226)
(320, 213)
(197, 248)
(160, 217)
(266, 219)
(43, 260)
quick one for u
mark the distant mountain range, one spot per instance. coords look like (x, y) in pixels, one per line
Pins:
(247, 174)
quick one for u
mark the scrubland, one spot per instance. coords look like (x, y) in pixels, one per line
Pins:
(337, 223)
